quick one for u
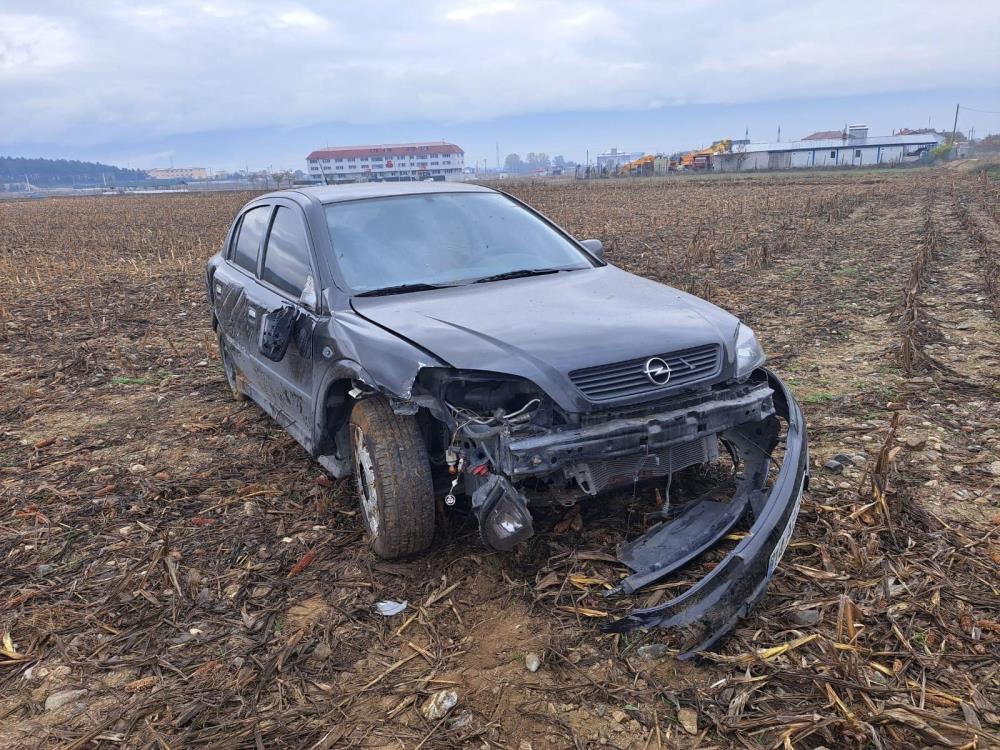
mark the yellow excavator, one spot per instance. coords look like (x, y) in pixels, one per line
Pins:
(702, 159)
(641, 167)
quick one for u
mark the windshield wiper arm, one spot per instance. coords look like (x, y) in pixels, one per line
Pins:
(402, 289)
(520, 273)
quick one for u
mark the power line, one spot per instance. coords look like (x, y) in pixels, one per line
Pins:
(984, 111)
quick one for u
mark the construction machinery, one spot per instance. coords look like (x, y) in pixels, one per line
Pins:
(641, 167)
(702, 159)
(693, 160)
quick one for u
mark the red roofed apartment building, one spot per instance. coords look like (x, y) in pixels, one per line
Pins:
(391, 162)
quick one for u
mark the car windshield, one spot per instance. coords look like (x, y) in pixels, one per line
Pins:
(443, 239)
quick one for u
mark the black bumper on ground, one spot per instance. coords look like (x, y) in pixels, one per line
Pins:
(711, 608)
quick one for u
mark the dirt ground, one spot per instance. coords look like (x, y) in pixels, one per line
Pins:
(175, 572)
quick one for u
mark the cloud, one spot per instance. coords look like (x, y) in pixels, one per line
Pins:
(32, 46)
(98, 73)
(472, 11)
(301, 18)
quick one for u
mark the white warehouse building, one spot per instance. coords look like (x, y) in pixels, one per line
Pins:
(614, 159)
(854, 149)
(391, 162)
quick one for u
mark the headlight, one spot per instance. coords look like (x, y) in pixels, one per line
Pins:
(481, 392)
(749, 355)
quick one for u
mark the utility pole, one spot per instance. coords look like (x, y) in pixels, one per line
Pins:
(954, 128)
(498, 156)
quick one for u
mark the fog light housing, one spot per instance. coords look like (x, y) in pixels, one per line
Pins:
(504, 518)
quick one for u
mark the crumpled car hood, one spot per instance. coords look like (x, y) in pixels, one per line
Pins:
(544, 327)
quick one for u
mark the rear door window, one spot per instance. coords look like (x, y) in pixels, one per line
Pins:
(286, 259)
(248, 239)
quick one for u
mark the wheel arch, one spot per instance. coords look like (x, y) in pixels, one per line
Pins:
(334, 402)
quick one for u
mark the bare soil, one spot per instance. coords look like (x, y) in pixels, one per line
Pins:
(175, 572)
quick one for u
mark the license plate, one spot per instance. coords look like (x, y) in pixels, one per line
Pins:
(786, 535)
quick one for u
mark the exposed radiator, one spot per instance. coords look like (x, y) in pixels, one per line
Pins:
(598, 475)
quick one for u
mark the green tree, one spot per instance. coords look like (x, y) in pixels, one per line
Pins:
(538, 161)
(513, 164)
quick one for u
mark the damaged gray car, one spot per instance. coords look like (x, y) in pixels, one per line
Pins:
(436, 340)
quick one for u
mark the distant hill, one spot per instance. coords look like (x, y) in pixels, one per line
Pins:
(66, 173)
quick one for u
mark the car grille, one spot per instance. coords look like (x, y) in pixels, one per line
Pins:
(625, 379)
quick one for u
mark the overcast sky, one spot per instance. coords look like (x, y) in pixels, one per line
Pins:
(234, 82)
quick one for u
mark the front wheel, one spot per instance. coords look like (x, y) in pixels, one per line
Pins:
(393, 476)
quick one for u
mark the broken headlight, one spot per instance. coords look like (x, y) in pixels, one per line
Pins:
(749, 355)
(483, 397)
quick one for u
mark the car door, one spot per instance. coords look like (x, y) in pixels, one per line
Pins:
(285, 290)
(231, 282)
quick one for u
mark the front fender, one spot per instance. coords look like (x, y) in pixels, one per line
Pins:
(353, 349)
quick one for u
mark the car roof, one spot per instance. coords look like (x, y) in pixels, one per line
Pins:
(358, 190)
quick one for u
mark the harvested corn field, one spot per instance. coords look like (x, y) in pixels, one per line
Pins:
(176, 572)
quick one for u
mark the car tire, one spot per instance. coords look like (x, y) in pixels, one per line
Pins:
(229, 368)
(393, 479)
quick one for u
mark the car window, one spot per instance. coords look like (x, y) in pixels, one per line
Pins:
(442, 238)
(286, 259)
(249, 237)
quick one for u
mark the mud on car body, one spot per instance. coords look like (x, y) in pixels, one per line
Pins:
(435, 339)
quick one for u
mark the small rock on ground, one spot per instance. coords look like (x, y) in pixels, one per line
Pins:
(439, 704)
(688, 719)
(805, 616)
(652, 651)
(60, 698)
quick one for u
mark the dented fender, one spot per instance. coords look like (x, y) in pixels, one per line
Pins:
(391, 364)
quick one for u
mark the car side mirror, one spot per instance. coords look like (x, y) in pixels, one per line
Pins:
(276, 331)
(308, 297)
(594, 247)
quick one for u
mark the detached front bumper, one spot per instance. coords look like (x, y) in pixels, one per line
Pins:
(747, 417)
(707, 611)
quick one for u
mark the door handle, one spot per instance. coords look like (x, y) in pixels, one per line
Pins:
(252, 313)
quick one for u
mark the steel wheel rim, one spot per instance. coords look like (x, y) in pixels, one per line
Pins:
(364, 471)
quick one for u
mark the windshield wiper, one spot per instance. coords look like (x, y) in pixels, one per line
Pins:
(520, 273)
(402, 289)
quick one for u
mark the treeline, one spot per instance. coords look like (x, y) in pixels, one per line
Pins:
(65, 173)
(533, 162)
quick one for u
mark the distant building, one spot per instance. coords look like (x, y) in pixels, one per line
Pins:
(854, 148)
(390, 161)
(824, 135)
(614, 158)
(179, 173)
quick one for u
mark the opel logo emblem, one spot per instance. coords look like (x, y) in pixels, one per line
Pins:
(657, 370)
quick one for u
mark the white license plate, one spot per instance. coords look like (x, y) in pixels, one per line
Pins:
(786, 535)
